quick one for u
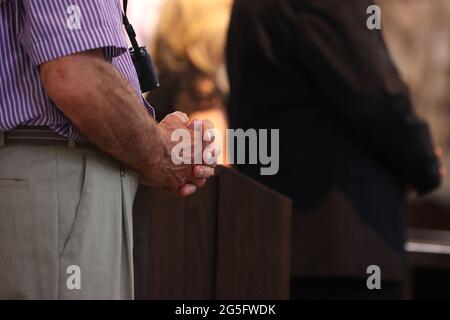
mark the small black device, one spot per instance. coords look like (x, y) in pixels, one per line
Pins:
(142, 59)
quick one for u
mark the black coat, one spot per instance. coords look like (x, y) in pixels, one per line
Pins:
(350, 140)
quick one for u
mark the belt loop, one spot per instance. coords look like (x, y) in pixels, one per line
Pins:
(2, 140)
(71, 143)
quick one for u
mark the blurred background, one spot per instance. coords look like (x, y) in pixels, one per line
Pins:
(187, 40)
(417, 33)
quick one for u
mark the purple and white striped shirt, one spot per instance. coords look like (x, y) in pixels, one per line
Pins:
(33, 32)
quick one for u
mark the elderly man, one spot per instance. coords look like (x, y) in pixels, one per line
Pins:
(75, 137)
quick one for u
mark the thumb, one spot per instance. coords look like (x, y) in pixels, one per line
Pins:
(181, 116)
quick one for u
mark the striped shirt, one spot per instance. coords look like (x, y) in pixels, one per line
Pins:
(33, 32)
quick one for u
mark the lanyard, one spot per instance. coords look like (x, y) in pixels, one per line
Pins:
(148, 79)
(129, 28)
(125, 5)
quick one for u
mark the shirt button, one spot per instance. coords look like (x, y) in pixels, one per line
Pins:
(122, 172)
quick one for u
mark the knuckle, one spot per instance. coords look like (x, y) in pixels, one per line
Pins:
(180, 115)
(208, 123)
(201, 183)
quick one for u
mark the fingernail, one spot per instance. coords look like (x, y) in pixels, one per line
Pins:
(191, 189)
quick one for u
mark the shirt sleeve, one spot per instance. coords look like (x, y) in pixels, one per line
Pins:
(56, 28)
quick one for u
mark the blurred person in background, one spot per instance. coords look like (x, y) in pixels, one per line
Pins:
(351, 144)
(418, 35)
(188, 50)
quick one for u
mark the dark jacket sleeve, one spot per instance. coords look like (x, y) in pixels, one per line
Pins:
(352, 66)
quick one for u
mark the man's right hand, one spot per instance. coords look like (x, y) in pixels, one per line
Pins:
(184, 179)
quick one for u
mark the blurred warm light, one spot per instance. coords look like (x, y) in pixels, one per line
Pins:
(192, 33)
(418, 35)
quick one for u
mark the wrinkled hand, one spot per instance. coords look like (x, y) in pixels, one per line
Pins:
(184, 178)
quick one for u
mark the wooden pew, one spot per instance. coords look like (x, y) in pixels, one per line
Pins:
(232, 240)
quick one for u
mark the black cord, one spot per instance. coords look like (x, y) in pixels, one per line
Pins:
(125, 6)
(129, 28)
(142, 60)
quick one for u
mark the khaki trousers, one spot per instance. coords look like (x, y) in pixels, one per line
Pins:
(65, 224)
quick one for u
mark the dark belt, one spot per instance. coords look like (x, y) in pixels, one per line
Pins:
(36, 135)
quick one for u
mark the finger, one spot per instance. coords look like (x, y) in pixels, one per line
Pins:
(211, 154)
(439, 152)
(202, 172)
(181, 115)
(207, 125)
(209, 136)
(199, 183)
(187, 190)
(443, 171)
(194, 124)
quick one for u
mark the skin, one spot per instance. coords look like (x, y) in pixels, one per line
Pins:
(106, 110)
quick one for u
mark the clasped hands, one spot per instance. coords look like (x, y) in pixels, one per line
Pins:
(185, 177)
